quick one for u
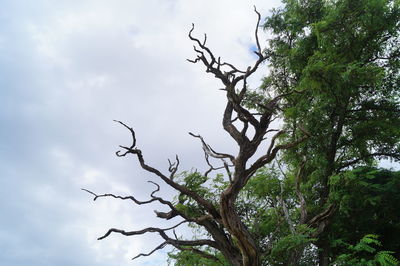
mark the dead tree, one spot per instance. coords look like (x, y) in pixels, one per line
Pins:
(227, 232)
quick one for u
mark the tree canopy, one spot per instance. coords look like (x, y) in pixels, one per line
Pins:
(344, 58)
(315, 194)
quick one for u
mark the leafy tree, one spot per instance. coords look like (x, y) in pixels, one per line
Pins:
(333, 81)
(366, 245)
(373, 196)
(367, 193)
(342, 59)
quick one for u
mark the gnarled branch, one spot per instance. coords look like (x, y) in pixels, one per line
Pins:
(182, 189)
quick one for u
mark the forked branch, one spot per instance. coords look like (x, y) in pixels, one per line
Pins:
(180, 244)
(138, 202)
(182, 189)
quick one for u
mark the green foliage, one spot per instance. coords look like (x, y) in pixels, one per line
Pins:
(288, 244)
(185, 258)
(338, 64)
(206, 187)
(333, 52)
(259, 207)
(368, 201)
(364, 254)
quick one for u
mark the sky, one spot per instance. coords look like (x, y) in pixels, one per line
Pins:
(68, 68)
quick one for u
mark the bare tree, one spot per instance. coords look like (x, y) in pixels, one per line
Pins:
(228, 234)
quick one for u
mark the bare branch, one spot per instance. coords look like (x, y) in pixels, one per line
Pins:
(192, 249)
(139, 232)
(210, 152)
(212, 168)
(96, 196)
(118, 153)
(179, 244)
(285, 210)
(373, 154)
(303, 207)
(183, 189)
(199, 252)
(261, 57)
(228, 172)
(273, 150)
(202, 45)
(173, 167)
(272, 144)
(161, 246)
(321, 220)
(234, 69)
(207, 149)
(230, 127)
(259, 51)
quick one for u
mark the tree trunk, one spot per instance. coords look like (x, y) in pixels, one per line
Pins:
(323, 253)
(248, 248)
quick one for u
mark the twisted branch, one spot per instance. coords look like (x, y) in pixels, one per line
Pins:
(182, 189)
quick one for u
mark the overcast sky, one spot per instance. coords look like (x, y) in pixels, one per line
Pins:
(67, 69)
